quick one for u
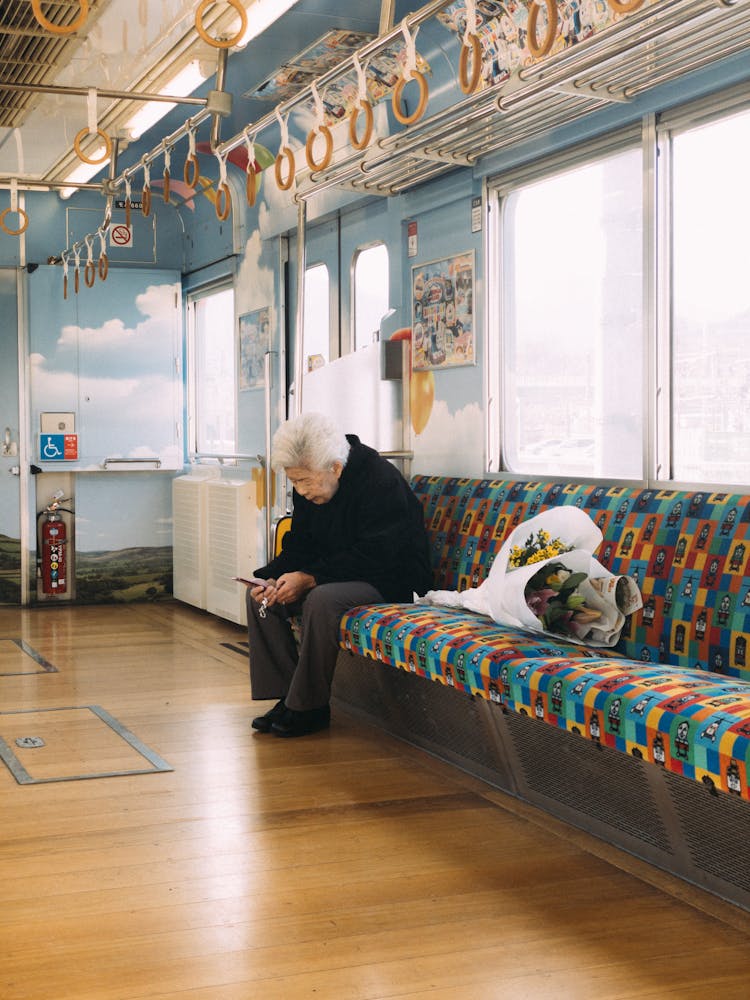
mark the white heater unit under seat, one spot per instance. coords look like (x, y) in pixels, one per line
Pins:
(232, 545)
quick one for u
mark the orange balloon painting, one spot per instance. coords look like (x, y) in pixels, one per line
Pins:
(421, 388)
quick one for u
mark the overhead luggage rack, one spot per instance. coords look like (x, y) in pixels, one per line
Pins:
(650, 47)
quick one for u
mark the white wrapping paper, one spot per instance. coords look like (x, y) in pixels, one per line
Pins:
(501, 596)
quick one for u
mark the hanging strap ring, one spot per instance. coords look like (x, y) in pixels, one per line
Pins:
(191, 171)
(423, 94)
(146, 200)
(89, 273)
(285, 153)
(57, 29)
(23, 220)
(251, 186)
(364, 142)
(468, 84)
(223, 202)
(537, 48)
(90, 159)
(220, 43)
(325, 131)
(103, 266)
(624, 6)
(251, 178)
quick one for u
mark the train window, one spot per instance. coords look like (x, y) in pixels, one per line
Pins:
(371, 292)
(317, 316)
(571, 292)
(213, 402)
(710, 328)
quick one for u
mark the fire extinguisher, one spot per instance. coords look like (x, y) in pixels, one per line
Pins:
(53, 555)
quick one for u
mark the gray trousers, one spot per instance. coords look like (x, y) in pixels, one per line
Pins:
(302, 677)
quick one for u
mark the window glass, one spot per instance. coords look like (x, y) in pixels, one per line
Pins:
(317, 317)
(214, 381)
(572, 384)
(711, 303)
(371, 293)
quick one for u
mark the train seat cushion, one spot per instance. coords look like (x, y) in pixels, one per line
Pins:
(449, 645)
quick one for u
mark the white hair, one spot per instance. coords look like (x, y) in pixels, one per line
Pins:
(310, 441)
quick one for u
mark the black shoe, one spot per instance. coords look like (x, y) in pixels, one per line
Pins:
(302, 723)
(264, 722)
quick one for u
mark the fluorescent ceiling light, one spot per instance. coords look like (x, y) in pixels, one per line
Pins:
(84, 171)
(182, 84)
(261, 15)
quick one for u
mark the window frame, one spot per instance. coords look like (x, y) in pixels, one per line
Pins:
(363, 248)
(191, 300)
(653, 133)
(497, 191)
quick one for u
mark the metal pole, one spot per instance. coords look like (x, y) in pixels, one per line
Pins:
(299, 324)
(118, 95)
(268, 482)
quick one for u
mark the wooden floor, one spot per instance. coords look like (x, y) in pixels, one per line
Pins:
(343, 865)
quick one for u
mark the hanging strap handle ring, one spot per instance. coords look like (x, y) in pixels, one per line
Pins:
(146, 195)
(362, 105)
(410, 73)
(23, 218)
(77, 273)
(537, 48)
(470, 48)
(103, 264)
(167, 173)
(285, 154)
(628, 6)
(64, 259)
(223, 205)
(191, 171)
(320, 128)
(220, 43)
(89, 271)
(92, 129)
(128, 200)
(57, 29)
(251, 183)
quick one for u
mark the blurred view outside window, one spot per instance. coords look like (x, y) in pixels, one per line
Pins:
(711, 303)
(371, 293)
(214, 385)
(572, 319)
(317, 317)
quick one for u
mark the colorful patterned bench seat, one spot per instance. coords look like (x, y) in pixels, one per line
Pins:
(676, 689)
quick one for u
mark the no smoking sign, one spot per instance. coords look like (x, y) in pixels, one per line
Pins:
(121, 236)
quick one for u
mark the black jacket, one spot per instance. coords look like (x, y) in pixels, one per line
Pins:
(372, 530)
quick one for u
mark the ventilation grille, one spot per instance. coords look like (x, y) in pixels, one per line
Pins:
(427, 714)
(189, 540)
(31, 55)
(231, 544)
(715, 830)
(600, 783)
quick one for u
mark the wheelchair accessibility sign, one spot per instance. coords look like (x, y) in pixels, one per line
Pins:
(58, 447)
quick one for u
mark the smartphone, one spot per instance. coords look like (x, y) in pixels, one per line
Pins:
(251, 581)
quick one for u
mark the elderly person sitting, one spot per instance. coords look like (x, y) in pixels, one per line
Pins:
(357, 537)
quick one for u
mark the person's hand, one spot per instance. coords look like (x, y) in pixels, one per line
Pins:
(259, 593)
(291, 587)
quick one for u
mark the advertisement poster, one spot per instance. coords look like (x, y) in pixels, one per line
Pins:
(255, 343)
(443, 313)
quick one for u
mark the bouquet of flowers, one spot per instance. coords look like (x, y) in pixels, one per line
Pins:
(546, 579)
